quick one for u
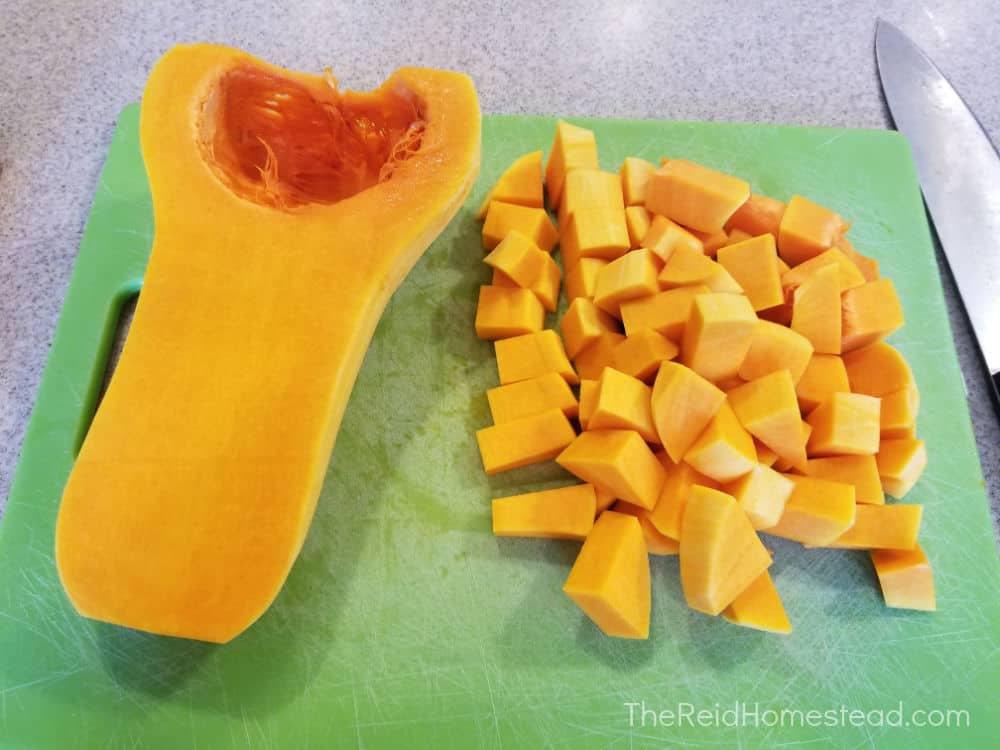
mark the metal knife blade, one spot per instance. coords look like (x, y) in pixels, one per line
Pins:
(959, 173)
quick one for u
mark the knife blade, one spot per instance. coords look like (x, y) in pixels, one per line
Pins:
(959, 173)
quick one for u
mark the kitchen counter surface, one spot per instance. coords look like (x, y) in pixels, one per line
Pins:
(67, 68)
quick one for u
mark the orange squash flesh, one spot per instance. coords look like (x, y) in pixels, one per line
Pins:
(759, 607)
(265, 228)
(906, 578)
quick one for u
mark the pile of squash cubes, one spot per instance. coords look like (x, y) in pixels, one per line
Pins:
(722, 356)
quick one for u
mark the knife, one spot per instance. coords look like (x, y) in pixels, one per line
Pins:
(959, 173)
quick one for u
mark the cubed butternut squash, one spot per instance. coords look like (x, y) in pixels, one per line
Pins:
(720, 553)
(774, 347)
(526, 398)
(524, 441)
(590, 363)
(695, 196)
(877, 370)
(637, 222)
(754, 265)
(635, 174)
(758, 606)
(849, 275)
(640, 354)
(817, 512)
(605, 499)
(868, 266)
(882, 527)
(906, 578)
(594, 233)
(768, 409)
(900, 463)
(610, 579)
(588, 190)
(765, 456)
(806, 230)
(758, 215)
(735, 236)
(718, 335)
(762, 494)
(499, 278)
(664, 236)
(844, 423)
(531, 355)
(898, 415)
(656, 543)
(520, 183)
(859, 471)
(628, 277)
(534, 223)
(618, 461)
(582, 324)
(824, 375)
(683, 404)
(574, 148)
(581, 278)
(531, 268)
(687, 267)
(588, 398)
(711, 241)
(563, 513)
(668, 513)
(724, 450)
(815, 310)
(623, 403)
(870, 313)
(665, 312)
(503, 312)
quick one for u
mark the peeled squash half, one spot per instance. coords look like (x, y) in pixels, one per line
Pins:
(287, 212)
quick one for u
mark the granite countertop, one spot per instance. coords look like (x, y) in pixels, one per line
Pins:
(67, 68)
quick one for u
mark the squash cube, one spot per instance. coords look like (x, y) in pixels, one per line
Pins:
(581, 278)
(524, 441)
(563, 513)
(637, 222)
(610, 579)
(898, 416)
(870, 313)
(695, 196)
(668, 513)
(806, 230)
(605, 499)
(531, 268)
(635, 174)
(877, 370)
(824, 375)
(595, 233)
(906, 578)
(754, 265)
(531, 355)
(882, 527)
(664, 236)
(656, 543)
(574, 148)
(768, 409)
(759, 607)
(686, 267)
(499, 278)
(765, 456)
(816, 310)
(630, 276)
(758, 215)
(867, 266)
(762, 495)
(503, 312)
(718, 335)
(589, 190)
(526, 398)
(900, 464)
(736, 236)
(711, 241)
(817, 512)
(622, 403)
(590, 363)
(683, 404)
(521, 183)
(582, 324)
(844, 423)
(665, 312)
(534, 223)
(720, 553)
(618, 461)
(774, 347)
(724, 451)
(640, 354)
(588, 398)
(849, 274)
(859, 471)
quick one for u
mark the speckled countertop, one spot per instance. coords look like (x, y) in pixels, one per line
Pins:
(67, 68)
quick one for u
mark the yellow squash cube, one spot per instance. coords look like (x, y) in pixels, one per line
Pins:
(666, 312)
(656, 543)
(664, 236)
(687, 267)
(590, 363)
(622, 403)
(906, 578)
(637, 221)
(846, 423)
(590, 189)
(816, 310)
(754, 265)
(877, 370)
(759, 607)
(882, 527)
(762, 494)
(898, 416)
(775, 347)
(725, 450)
(871, 312)
(824, 375)
(574, 148)
(683, 404)
(588, 399)
(531, 355)
(618, 461)
(581, 278)
(524, 441)
(806, 230)
(768, 409)
(534, 223)
(521, 183)
(859, 471)
(849, 274)
(718, 335)
(595, 233)
(758, 215)
(630, 276)
(640, 354)
(582, 324)
(503, 312)
(817, 512)
(563, 513)
(900, 463)
(526, 398)
(528, 266)
(695, 196)
(635, 174)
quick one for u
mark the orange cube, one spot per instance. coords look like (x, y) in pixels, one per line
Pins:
(759, 607)
(758, 215)
(563, 513)
(656, 543)
(521, 183)
(765, 456)
(859, 471)
(590, 363)
(816, 310)
(499, 278)
(687, 267)
(849, 274)
(531, 355)
(590, 189)
(882, 527)
(588, 398)
(666, 516)
(768, 409)
(806, 230)
(762, 494)
(665, 312)
(824, 375)
(605, 499)
(630, 276)
(574, 148)
(898, 416)
(610, 579)
(754, 265)
(595, 233)
(618, 461)
(900, 464)
(534, 223)
(695, 196)
(877, 370)
(846, 423)
(718, 335)
(711, 241)
(817, 512)
(531, 268)
(683, 404)
(524, 441)
(622, 403)
(735, 236)
(503, 312)
(780, 314)
(640, 354)
(870, 313)
(867, 266)
(637, 222)
(526, 398)
(582, 324)
(635, 174)
(724, 451)
(720, 553)
(906, 578)
(581, 278)
(775, 347)
(664, 236)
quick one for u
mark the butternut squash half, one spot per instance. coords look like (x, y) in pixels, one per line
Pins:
(287, 212)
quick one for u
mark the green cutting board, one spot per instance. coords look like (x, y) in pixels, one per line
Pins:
(405, 623)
